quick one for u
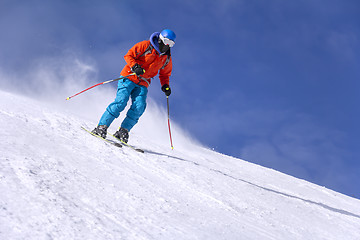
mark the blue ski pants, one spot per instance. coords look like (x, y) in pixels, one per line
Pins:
(126, 88)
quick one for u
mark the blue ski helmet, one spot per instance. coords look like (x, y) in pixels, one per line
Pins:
(168, 37)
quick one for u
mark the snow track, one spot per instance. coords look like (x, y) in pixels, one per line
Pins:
(58, 182)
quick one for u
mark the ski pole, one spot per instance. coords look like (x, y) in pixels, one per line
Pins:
(167, 98)
(109, 81)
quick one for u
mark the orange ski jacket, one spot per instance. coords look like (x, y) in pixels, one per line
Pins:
(151, 61)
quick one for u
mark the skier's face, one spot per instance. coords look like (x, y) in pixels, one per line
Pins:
(163, 48)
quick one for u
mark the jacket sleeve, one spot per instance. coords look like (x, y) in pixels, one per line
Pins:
(165, 73)
(134, 52)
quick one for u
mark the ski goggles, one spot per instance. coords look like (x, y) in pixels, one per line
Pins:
(167, 41)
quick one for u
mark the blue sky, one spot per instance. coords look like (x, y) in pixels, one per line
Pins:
(272, 82)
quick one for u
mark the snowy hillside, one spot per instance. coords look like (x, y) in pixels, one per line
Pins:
(59, 182)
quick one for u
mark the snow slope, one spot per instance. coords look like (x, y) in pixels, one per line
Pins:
(59, 182)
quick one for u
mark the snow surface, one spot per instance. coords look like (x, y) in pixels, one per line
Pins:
(59, 182)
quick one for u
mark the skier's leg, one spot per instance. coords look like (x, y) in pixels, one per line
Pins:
(138, 97)
(125, 88)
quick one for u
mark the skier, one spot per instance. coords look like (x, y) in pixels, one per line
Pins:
(146, 59)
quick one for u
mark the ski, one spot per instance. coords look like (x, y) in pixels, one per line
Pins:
(128, 145)
(117, 143)
(104, 139)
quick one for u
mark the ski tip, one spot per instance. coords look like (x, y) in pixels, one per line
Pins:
(68, 98)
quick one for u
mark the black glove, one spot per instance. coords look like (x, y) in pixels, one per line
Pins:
(166, 89)
(137, 69)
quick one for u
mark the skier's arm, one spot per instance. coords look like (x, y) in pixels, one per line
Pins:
(131, 56)
(165, 73)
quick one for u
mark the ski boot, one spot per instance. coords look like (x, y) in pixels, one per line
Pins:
(100, 130)
(122, 134)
